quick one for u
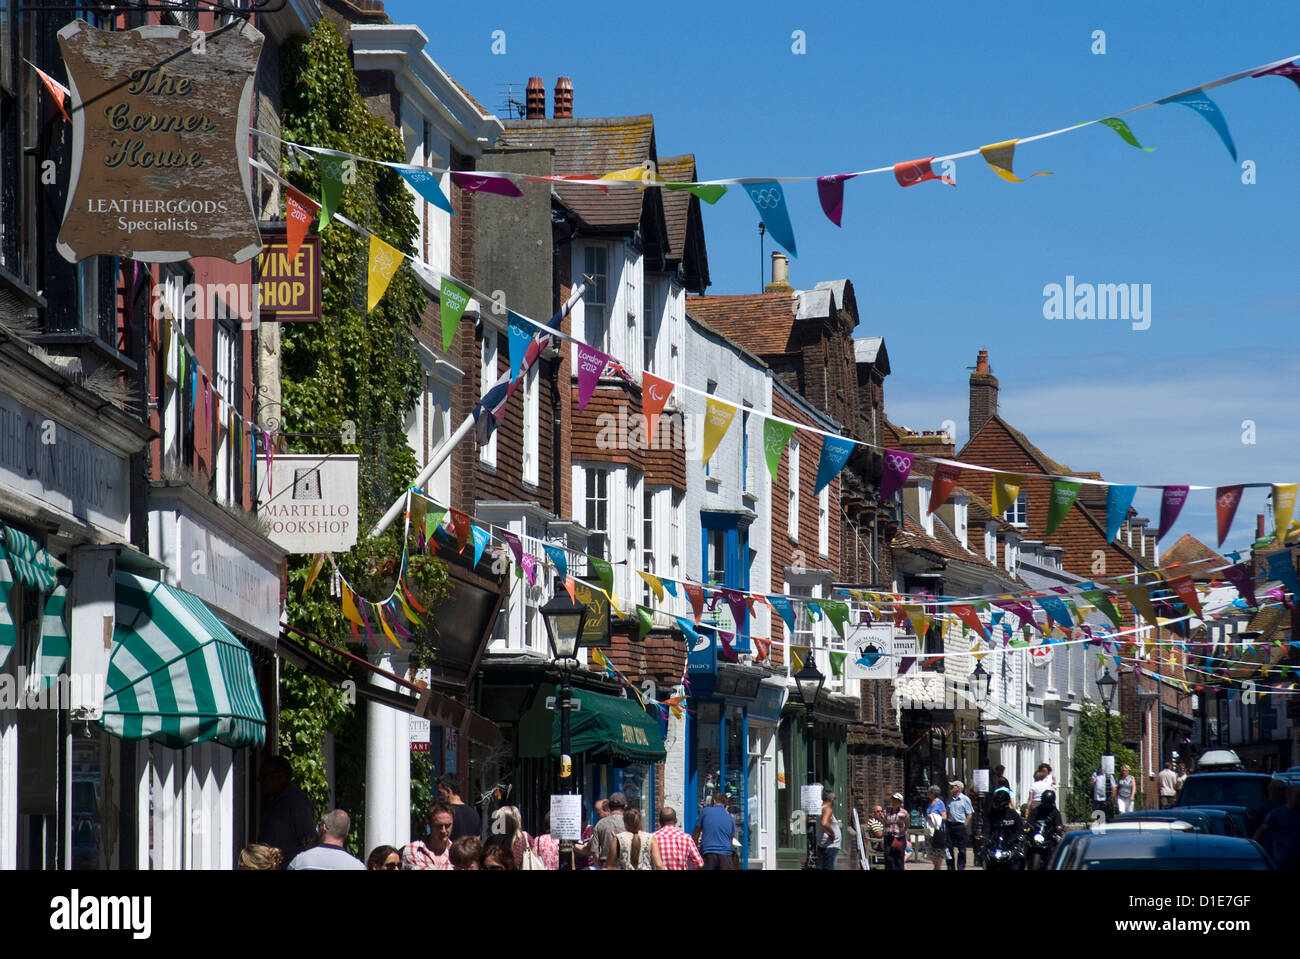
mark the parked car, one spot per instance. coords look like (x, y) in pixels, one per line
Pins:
(1219, 760)
(1223, 790)
(1174, 849)
(1212, 820)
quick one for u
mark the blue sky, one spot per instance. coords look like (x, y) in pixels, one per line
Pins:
(942, 273)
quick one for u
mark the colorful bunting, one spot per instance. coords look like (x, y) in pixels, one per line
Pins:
(519, 334)
(425, 183)
(999, 157)
(1120, 127)
(604, 571)
(516, 546)
(1139, 598)
(769, 199)
(1226, 501)
(912, 172)
(1283, 506)
(460, 529)
(645, 621)
(916, 617)
(835, 453)
(1057, 610)
(945, 481)
(654, 582)
(837, 613)
(896, 465)
(1064, 493)
(696, 595)
(1006, 487)
(1281, 566)
(331, 188)
(717, 419)
(384, 261)
(654, 396)
(58, 92)
(501, 186)
(784, 609)
(775, 437)
(481, 538)
(1118, 501)
(591, 364)
(453, 298)
(830, 191)
(529, 565)
(970, 618)
(710, 193)
(558, 560)
(570, 589)
(1202, 104)
(1185, 589)
(299, 209)
(1171, 504)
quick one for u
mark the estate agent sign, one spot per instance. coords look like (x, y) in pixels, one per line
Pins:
(160, 143)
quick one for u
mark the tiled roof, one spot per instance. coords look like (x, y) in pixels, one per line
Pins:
(1190, 556)
(677, 203)
(592, 145)
(763, 322)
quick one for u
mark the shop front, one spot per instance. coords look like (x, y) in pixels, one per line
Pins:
(829, 746)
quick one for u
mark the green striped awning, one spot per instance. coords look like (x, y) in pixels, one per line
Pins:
(55, 646)
(8, 633)
(33, 565)
(176, 674)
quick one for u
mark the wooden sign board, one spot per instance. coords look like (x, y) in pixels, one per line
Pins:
(160, 120)
(289, 291)
(595, 632)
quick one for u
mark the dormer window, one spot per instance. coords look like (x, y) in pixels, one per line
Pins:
(1018, 513)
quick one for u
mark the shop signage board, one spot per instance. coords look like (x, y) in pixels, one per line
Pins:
(595, 632)
(310, 505)
(289, 290)
(160, 119)
(420, 729)
(870, 653)
(702, 657)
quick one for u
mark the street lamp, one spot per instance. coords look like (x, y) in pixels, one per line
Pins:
(981, 685)
(808, 682)
(1106, 686)
(564, 622)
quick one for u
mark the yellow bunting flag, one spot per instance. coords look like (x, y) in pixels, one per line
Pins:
(419, 506)
(349, 607)
(384, 261)
(999, 157)
(635, 174)
(1006, 487)
(314, 571)
(388, 630)
(916, 616)
(1283, 507)
(656, 586)
(717, 418)
(797, 656)
(1140, 598)
(598, 658)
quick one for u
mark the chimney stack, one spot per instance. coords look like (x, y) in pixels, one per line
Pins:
(535, 99)
(1259, 526)
(563, 99)
(983, 394)
(780, 275)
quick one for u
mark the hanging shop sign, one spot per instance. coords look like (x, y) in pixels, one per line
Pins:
(160, 119)
(595, 632)
(870, 653)
(310, 504)
(289, 289)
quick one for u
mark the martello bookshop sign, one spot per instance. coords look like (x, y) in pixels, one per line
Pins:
(160, 120)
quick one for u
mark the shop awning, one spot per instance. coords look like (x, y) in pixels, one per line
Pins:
(608, 727)
(1002, 723)
(176, 674)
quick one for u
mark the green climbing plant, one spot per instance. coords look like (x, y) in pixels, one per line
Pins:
(1089, 747)
(347, 385)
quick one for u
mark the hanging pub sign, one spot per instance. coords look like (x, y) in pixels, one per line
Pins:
(309, 504)
(595, 632)
(289, 290)
(160, 119)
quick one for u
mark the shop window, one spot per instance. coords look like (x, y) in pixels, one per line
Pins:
(788, 779)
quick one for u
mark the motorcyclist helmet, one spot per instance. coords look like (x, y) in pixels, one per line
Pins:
(1002, 796)
(1049, 799)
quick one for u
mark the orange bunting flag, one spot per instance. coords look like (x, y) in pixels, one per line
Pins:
(945, 481)
(1186, 590)
(568, 586)
(299, 210)
(968, 616)
(57, 90)
(912, 172)
(999, 157)
(411, 598)
(761, 647)
(654, 395)
(460, 528)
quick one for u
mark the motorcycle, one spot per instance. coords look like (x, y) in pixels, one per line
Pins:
(1041, 844)
(1004, 851)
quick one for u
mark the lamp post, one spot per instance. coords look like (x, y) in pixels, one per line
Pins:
(564, 622)
(1107, 686)
(808, 683)
(981, 682)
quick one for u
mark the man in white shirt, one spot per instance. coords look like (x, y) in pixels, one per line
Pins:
(1168, 780)
(329, 853)
(1102, 787)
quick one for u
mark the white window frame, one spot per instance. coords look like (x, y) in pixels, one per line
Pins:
(529, 467)
(589, 303)
(651, 324)
(173, 282)
(651, 497)
(489, 371)
(227, 343)
(792, 498)
(824, 521)
(1017, 514)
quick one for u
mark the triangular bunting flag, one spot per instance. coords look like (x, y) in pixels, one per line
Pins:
(769, 199)
(1186, 591)
(708, 192)
(830, 191)
(558, 560)
(775, 437)
(1171, 504)
(645, 621)
(1122, 128)
(1226, 501)
(1202, 104)
(299, 209)
(945, 481)
(999, 157)
(696, 595)
(1118, 501)
(481, 538)
(384, 261)
(1064, 493)
(895, 467)
(603, 570)
(331, 188)
(425, 183)
(501, 186)
(519, 334)
(654, 396)
(453, 298)
(717, 419)
(1283, 507)
(1006, 487)
(835, 453)
(591, 365)
(911, 172)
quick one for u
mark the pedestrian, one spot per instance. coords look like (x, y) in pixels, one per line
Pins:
(896, 823)
(936, 819)
(716, 829)
(960, 810)
(1168, 783)
(1182, 777)
(467, 820)
(384, 857)
(507, 823)
(547, 846)
(329, 852)
(582, 851)
(1103, 785)
(288, 815)
(633, 848)
(1125, 789)
(602, 838)
(466, 853)
(1280, 833)
(436, 854)
(828, 836)
(675, 850)
(496, 856)
(259, 856)
(1039, 786)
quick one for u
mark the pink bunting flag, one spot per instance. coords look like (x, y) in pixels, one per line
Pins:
(912, 172)
(1171, 504)
(591, 363)
(485, 184)
(529, 563)
(897, 464)
(516, 547)
(830, 191)
(1290, 71)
